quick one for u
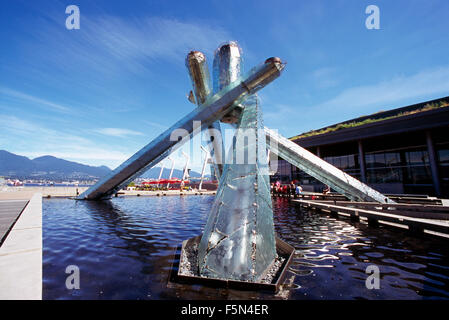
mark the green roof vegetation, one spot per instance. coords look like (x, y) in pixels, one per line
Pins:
(340, 126)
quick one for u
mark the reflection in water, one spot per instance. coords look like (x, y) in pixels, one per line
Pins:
(124, 249)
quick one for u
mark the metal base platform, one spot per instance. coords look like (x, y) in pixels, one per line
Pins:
(283, 249)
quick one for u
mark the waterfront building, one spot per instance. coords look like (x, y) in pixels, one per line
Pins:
(400, 151)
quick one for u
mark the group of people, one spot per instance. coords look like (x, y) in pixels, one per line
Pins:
(286, 190)
(291, 189)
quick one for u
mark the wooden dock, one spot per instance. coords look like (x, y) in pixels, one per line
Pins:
(398, 198)
(418, 219)
(10, 211)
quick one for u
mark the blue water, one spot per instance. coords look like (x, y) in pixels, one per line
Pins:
(124, 250)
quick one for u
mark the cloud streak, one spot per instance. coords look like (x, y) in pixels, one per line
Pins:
(153, 37)
(424, 83)
(118, 132)
(33, 140)
(26, 98)
(111, 45)
(360, 100)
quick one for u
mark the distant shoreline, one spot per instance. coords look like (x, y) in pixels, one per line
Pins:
(64, 191)
(52, 185)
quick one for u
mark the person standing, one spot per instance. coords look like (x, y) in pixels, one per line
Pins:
(293, 190)
(284, 190)
(298, 191)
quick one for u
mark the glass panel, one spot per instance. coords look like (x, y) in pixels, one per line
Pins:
(443, 155)
(238, 242)
(414, 157)
(418, 175)
(392, 159)
(379, 160)
(336, 162)
(351, 162)
(369, 160)
(344, 162)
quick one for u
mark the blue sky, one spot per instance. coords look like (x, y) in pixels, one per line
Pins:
(98, 94)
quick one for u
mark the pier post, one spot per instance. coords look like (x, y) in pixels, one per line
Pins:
(373, 222)
(334, 214)
(355, 217)
(415, 229)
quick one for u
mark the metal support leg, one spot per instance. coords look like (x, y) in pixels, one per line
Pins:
(322, 170)
(212, 110)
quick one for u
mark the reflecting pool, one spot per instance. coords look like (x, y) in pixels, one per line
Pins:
(124, 249)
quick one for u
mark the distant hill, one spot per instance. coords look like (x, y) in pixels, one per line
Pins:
(46, 167)
(52, 168)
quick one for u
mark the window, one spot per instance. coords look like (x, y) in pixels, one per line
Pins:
(392, 159)
(379, 160)
(383, 167)
(417, 157)
(369, 160)
(443, 156)
(443, 161)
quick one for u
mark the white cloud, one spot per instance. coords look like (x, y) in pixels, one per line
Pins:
(153, 37)
(118, 132)
(357, 101)
(278, 112)
(156, 125)
(325, 77)
(33, 140)
(23, 97)
(108, 45)
(363, 100)
(422, 84)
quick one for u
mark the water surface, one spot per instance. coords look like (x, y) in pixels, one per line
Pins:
(124, 250)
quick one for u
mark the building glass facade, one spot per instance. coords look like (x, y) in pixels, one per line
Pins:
(413, 162)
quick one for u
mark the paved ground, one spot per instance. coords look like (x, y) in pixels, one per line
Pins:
(54, 192)
(27, 192)
(21, 255)
(9, 212)
(10, 193)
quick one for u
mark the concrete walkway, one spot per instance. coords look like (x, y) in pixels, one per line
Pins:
(21, 255)
(66, 192)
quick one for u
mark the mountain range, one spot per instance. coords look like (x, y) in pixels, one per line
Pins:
(46, 167)
(52, 168)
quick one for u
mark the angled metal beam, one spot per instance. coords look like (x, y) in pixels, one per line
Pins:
(322, 170)
(199, 74)
(213, 109)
